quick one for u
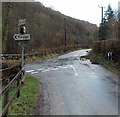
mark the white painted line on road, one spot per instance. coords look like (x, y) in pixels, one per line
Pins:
(30, 71)
(79, 61)
(59, 66)
(74, 70)
(40, 69)
(55, 69)
(45, 70)
(34, 72)
(69, 66)
(64, 67)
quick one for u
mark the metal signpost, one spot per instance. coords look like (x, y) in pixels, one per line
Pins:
(22, 38)
(19, 37)
(21, 22)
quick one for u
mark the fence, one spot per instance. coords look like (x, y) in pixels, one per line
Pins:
(44, 52)
(9, 76)
(104, 46)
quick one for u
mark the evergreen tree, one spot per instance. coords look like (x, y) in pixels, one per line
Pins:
(118, 22)
(107, 29)
(103, 30)
(109, 13)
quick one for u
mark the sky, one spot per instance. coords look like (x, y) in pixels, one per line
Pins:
(88, 10)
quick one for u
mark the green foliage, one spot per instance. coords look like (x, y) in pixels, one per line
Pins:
(28, 93)
(103, 47)
(109, 26)
(109, 13)
(103, 30)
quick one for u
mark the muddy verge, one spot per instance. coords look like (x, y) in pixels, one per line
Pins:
(93, 61)
(38, 103)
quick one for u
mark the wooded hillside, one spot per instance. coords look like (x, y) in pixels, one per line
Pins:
(45, 25)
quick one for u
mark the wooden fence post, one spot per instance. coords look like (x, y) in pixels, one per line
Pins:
(6, 97)
(19, 82)
(45, 53)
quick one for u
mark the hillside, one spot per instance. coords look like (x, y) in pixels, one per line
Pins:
(45, 25)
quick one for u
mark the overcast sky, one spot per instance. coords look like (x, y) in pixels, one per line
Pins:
(87, 10)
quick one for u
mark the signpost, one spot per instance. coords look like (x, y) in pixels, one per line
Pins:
(21, 22)
(22, 38)
(19, 37)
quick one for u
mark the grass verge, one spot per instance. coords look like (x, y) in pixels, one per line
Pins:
(28, 95)
(48, 56)
(36, 58)
(100, 59)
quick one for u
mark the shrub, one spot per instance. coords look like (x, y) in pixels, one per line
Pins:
(104, 46)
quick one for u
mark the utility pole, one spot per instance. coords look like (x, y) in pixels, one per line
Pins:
(101, 12)
(65, 32)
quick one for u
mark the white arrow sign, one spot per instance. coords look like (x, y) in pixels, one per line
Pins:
(20, 37)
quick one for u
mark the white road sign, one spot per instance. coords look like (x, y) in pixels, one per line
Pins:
(19, 37)
(22, 22)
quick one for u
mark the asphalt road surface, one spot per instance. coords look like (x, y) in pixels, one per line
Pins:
(71, 85)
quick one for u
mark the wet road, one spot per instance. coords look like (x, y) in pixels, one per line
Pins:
(74, 86)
